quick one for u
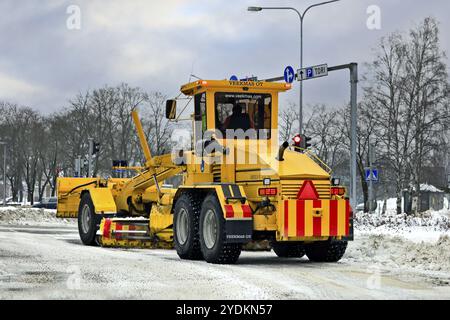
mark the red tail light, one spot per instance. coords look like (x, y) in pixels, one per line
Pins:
(267, 192)
(338, 191)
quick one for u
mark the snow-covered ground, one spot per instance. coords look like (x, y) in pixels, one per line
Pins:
(31, 216)
(392, 257)
(419, 242)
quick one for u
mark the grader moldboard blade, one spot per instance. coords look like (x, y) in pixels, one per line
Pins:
(129, 233)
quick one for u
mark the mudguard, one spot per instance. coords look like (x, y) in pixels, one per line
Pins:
(103, 200)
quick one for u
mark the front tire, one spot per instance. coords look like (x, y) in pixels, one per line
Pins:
(288, 250)
(88, 221)
(185, 227)
(326, 251)
(213, 234)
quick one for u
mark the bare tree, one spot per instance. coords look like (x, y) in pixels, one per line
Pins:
(384, 93)
(325, 128)
(287, 122)
(157, 128)
(426, 89)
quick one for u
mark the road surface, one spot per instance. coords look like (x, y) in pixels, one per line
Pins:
(49, 262)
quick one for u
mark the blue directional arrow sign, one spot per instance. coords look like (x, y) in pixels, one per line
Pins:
(289, 74)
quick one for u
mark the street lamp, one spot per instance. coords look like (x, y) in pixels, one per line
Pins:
(301, 16)
(4, 171)
(254, 9)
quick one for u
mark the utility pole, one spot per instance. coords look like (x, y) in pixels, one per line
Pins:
(91, 151)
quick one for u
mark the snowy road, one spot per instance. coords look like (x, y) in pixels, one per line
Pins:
(50, 262)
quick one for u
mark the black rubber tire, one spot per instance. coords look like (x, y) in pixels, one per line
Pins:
(88, 238)
(221, 252)
(288, 250)
(326, 251)
(190, 250)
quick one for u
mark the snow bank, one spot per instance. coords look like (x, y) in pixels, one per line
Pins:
(30, 216)
(399, 253)
(393, 240)
(433, 220)
(428, 226)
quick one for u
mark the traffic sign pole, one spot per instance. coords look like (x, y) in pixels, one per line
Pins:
(353, 68)
(371, 178)
(353, 124)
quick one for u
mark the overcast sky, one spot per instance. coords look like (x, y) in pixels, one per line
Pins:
(157, 44)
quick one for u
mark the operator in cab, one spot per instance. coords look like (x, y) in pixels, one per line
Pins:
(238, 119)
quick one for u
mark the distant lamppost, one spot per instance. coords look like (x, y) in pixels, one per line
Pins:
(301, 16)
(4, 171)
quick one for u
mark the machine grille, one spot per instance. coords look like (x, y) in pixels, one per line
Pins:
(290, 188)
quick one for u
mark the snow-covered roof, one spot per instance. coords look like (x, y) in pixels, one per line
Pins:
(429, 188)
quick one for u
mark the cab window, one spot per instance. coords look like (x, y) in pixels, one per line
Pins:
(243, 111)
(200, 112)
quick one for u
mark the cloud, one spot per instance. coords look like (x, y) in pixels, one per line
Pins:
(15, 89)
(157, 45)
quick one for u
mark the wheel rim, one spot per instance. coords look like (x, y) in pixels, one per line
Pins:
(210, 229)
(182, 226)
(86, 218)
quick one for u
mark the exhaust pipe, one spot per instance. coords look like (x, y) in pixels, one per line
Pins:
(281, 151)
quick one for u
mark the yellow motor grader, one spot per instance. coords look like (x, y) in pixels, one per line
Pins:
(236, 185)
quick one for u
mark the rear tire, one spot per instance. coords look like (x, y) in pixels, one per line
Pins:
(88, 221)
(213, 234)
(326, 251)
(288, 250)
(185, 227)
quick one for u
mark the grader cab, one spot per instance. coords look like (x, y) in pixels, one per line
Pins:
(239, 186)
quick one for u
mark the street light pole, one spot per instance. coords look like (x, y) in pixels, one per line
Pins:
(301, 17)
(91, 151)
(4, 171)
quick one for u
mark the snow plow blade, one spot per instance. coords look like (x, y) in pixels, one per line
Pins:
(69, 193)
(129, 233)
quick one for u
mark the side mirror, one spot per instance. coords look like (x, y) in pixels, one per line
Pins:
(171, 109)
